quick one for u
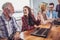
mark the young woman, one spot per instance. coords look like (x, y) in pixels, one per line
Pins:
(42, 14)
(28, 19)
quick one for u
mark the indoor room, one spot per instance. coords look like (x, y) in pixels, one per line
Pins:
(29, 19)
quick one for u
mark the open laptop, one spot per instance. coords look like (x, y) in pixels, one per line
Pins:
(41, 32)
(56, 22)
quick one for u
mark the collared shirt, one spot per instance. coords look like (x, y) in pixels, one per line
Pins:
(54, 14)
(9, 25)
(50, 15)
(25, 23)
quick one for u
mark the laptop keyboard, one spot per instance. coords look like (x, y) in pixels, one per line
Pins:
(46, 32)
(41, 31)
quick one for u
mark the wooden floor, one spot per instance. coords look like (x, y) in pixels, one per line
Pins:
(54, 33)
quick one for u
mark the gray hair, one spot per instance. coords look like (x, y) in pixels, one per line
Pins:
(6, 5)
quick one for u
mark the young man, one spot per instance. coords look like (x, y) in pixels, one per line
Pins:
(51, 13)
(8, 27)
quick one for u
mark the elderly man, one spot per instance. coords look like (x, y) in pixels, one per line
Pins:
(8, 26)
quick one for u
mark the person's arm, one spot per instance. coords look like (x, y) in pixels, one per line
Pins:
(18, 29)
(56, 8)
(24, 24)
(41, 18)
(38, 20)
(2, 30)
(34, 19)
(17, 26)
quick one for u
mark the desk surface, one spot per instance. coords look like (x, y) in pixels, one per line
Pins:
(54, 34)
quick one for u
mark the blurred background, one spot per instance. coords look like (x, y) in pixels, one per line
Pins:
(19, 4)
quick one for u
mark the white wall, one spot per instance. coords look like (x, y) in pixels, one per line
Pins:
(18, 4)
(36, 4)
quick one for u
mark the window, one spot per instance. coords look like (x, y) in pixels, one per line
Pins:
(18, 4)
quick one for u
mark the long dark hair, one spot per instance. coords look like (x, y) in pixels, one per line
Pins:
(30, 17)
(29, 10)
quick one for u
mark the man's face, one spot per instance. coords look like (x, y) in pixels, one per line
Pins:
(51, 7)
(9, 10)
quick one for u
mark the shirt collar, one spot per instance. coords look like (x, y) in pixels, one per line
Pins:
(3, 16)
(50, 11)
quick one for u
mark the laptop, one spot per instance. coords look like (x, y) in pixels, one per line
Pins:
(56, 22)
(41, 32)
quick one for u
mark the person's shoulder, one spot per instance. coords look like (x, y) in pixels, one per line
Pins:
(57, 5)
(23, 17)
(55, 12)
(13, 18)
(0, 16)
(39, 12)
(47, 12)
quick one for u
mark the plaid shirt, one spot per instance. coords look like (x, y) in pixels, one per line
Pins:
(3, 28)
(26, 25)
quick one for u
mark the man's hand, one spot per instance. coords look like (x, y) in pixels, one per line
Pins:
(17, 35)
(3, 38)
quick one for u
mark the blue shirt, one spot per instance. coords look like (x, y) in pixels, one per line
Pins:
(54, 14)
(8, 27)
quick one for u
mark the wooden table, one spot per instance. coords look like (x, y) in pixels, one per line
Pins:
(54, 33)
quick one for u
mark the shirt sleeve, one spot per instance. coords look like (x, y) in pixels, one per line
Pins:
(56, 14)
(19, 28)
